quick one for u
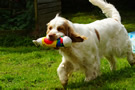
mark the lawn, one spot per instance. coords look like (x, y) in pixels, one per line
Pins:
(35, 68)
(28, 67)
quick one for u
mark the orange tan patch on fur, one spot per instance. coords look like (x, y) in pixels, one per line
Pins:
(116, 20)
(49, 28)
(68, 31)
(98, 36)
(63, 28)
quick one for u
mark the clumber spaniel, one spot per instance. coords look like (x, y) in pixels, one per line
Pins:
(107, 37)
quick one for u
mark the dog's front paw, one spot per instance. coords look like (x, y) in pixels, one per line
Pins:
(64, 83)
(132, 64)
(88, 79)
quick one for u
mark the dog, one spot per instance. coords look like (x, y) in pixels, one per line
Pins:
(102, 38)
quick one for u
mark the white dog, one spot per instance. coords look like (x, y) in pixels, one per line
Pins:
(107, 37)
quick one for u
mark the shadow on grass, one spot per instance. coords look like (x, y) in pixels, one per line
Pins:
(106, 78)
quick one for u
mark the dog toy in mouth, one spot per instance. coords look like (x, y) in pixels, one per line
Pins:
(60, 42)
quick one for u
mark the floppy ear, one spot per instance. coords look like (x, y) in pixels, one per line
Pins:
(75, 36)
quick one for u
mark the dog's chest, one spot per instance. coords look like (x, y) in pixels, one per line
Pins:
(79, 57)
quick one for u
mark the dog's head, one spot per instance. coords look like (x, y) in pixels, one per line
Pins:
(61, 27)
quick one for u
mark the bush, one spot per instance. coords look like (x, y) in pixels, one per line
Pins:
(15, 40)
(18, 17)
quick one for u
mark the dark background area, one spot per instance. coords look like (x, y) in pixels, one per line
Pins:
(20, 14)
(85, 5)
(17, 18)
(17, 14)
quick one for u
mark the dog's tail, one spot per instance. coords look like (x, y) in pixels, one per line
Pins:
(108, 9)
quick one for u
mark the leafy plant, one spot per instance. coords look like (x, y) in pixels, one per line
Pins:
(15, 40)
(22, 19)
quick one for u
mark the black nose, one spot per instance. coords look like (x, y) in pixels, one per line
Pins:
(52, 36)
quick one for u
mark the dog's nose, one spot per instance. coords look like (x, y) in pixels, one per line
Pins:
(51, 36)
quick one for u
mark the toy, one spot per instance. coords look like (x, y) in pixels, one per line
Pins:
(60, 42)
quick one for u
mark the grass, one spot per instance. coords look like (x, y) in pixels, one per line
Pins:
(24, 66)
(28, 68)
(35, 68)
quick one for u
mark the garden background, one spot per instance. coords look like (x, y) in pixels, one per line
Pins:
(24, 66)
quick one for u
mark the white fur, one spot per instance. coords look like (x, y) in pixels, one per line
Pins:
(58, 34)
(107, 9)
(86, 55)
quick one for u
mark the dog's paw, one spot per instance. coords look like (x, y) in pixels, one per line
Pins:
(88, 79)
(132, 64)
(64, 83)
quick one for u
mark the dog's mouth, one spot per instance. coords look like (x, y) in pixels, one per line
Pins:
(52, 38)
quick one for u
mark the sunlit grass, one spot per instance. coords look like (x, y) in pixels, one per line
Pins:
(28, 67)
(35, 68)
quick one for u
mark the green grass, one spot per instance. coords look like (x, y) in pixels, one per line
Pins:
(23, 66)
(28, 67)
(35, 68)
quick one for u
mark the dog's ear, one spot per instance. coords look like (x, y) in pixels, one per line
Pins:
(75, 36)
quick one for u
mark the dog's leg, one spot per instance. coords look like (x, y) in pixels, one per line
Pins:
(64, 71)
(130, 56)
(92, 70)
(91, 74)
(112, 61)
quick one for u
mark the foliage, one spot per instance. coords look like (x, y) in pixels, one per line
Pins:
(20, 20)
(15, 40)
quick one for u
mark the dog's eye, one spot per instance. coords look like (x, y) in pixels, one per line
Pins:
(60, 28)
(50, 27)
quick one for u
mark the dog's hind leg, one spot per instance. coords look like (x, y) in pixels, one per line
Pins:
(130, 56)
(112, 61)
